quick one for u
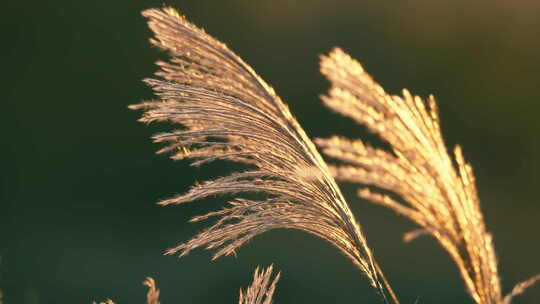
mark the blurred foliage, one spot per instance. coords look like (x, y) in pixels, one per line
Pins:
(79, 178)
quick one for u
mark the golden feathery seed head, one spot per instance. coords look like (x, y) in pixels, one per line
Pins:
(438, 190)
(227, 112)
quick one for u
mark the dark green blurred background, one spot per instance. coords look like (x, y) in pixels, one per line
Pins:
(79, 177)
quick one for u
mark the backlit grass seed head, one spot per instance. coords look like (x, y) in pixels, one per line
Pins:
(225, 111)
(439, 190)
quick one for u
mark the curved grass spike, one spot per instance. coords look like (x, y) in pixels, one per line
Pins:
(228, 112)
(439, 190)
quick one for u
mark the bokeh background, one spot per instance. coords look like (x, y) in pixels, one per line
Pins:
(79, 177)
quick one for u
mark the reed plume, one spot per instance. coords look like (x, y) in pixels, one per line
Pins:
(437, 191)
(229, 113)
(261, 289)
